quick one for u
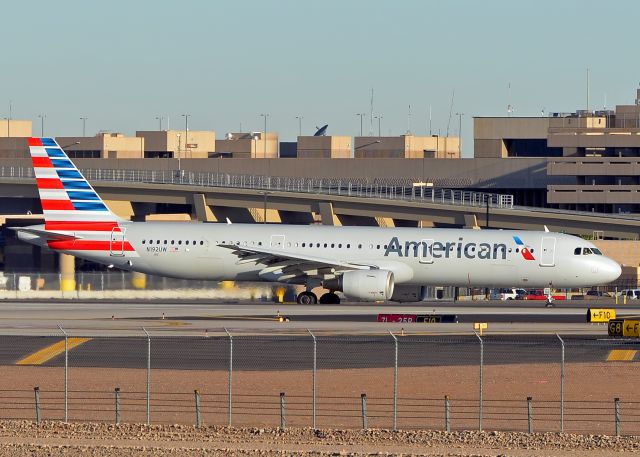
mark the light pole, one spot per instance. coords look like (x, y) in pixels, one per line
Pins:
(159, 119)
(178, 135)
(42, 116)
(84, 125)
(265, 134)
(361, 115)
(186, 131)
(299, 125)
(379, 130)
(459, 133)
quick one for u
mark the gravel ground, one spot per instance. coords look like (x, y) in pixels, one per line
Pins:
(52, 439)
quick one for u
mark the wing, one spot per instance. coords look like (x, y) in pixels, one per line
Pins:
(291, 267)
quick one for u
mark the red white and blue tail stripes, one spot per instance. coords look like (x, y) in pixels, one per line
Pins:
(70, 204)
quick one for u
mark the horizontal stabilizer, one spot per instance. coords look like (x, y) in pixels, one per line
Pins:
(49, 235)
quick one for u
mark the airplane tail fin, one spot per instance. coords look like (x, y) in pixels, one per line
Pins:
(68, 200)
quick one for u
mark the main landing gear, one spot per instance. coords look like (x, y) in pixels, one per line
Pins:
(309, 298)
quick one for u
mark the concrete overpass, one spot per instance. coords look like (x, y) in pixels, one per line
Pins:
(244, 198)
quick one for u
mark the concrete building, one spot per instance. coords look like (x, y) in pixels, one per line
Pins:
(12, 128)
(336, 147)
(103, 146)
(598, 151)
(167, 144)
(407, 147)
(255, 145)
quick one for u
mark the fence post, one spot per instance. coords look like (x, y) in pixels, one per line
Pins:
(561, 384)
(313, 379)
(148, 376)
(447, 414)
(480, 412)
(530, 413)
(282, 418)
(117, 395)
(395, 382)
(197, 398)
(230, 407)
(36, 393)
(616, 408)
(66, 374)
(363, 401)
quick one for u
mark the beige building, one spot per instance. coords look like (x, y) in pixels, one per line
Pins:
(103, 146)
(407, 147)
(191, 144)
(13, 128)
(256, 145)
(336, 147)
(595, 153)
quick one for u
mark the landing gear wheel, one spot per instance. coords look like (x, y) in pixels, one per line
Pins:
(307, 298)
(330, 298)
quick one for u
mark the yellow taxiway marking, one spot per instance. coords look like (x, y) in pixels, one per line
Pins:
(48, 353)
(621, 355)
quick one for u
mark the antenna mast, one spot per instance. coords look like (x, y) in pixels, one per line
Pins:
(453, 95)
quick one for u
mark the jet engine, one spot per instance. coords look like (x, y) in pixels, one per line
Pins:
(409, 293)
(366, 285)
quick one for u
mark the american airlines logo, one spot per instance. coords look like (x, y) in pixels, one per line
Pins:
(453, 249)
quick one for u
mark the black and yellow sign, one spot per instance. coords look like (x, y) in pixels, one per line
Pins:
(631, 328)
(600, 315)
(615, 327)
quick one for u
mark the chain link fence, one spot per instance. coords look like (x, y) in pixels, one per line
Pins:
(529, 383)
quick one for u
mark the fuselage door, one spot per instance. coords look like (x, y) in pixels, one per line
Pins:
(425, 251)
(277, 242)
(548, 252)
(116, 245)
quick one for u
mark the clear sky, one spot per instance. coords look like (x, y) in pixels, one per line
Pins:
(122, 63)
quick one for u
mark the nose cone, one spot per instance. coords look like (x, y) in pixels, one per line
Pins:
(610, 270)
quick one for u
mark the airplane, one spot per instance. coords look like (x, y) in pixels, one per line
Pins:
(364, 263)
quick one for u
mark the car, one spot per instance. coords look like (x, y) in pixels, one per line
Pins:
(594, 294)
(507, 294)
(540, 295)
(631, 294)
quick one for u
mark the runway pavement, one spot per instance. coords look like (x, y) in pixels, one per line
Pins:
(200, 317)
(192, 335)
(294, 352)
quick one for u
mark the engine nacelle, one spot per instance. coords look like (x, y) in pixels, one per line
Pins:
(366, 285)
(409, 293)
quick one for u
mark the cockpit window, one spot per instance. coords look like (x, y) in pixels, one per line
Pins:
(577, 251)
(586, 251)
(596, 251)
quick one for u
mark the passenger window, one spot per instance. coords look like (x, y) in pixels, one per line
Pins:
(318, 245)
(157, 241)
(173, 241)
(180, 242)
(332, 245)
(378, 246)
(143, 242)
(201, 243)
(577, 251)
(303, 244)
(359, 246)
(165, 241)
(325, 245)
(186, 242)
(348, 246)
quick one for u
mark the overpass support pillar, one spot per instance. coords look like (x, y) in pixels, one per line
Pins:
(200, 208)
(67, 273)
(470, 221)
(326, 212)
(139, 280)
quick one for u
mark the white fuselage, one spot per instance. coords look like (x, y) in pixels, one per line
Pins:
(454, 257)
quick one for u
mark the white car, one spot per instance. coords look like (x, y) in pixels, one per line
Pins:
(507, 294)
(632, 294)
